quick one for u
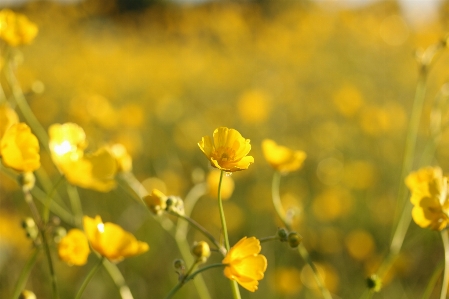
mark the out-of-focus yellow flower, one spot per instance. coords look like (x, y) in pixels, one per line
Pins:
(244, 264)
(19, 148)
(67, 143)
(227, 184)
(254, 106)
(26, 294)
(16, 29)
(228, 150)
(156, 201)
(360, 244)
(288, 280)
(123, 159)
(111, 241)
(429, 196)
(8, 117)
(282, 158)
(74, 248)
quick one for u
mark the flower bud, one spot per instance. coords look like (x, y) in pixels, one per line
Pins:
(374, 283)
(201, 250)
(27, 181)
(156, 202)
(283, 234)
(294, 239)
(175, 204)
(30, 227)
(27, 295)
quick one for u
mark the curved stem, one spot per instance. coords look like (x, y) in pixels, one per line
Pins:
(88, 278)
(75, 201)
(48, 201)
(25, 273)
(191, 276)
(118, 279)
(275, 186)
(445, 239)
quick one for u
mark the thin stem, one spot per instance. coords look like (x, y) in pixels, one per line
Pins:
(445, 239)
(88, 278)
(118, 279)
(267, 239)
(191, 276)
(25, 273)
(433, 280)
(306, 257)
(75, 201)
(275, 186)
(48, 201)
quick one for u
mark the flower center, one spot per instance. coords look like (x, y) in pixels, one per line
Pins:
(225, 154)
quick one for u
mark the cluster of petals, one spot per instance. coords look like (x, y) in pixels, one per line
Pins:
(244, 264)
(93, 170)
(16, 29)
(282, 158)
(429, 196)
(112, 241)
(74, 248)
(19, 147)
(227, 150)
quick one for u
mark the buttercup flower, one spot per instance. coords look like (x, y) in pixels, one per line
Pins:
(156, 201)
(8, 117)
(282, 158)
(429, 196)
(19, 148)
(74, 248)
(16, 29)
(111, 241)
(228, 150)
(92, 171)
(244, 264)
(121, 156)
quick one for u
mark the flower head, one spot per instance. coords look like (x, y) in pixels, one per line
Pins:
(282, 158)
(228, 150)
(121, 156)
(19, 148)
(74, 248)
(244, 264)
(16, 29)
(156, 201)
(429, 196)
(67, 143)
(111, 241)
(8, 117)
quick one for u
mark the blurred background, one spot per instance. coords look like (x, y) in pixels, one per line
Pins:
(335, 79)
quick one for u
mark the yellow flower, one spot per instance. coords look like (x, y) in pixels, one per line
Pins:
(8, 117)
(74, 248)
(16, 29)
(93, 171)
(228, 150)
(19, 148)
(111, 241)
(429, 196)
(244, 264)
(156, 201)
(282, 158)
(121, 156)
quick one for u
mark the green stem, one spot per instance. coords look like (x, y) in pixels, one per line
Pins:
(88, 278)
(445, 239)
(271, 238)
(20, 285)
(48, 201)
(306, 257)
(433, 280)
(234, 285)
(118, 279)
(75, 201)
(275, 186)
(191, 276)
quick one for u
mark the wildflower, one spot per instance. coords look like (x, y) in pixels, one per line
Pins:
(282, 158)
(429, 196)
(201, 251)
(74, 248)
(244, 264)
(111, 241)
(156, 202)
(19, 148)
(16, 29)
(121, 156)
(228, 150)
(8, 117)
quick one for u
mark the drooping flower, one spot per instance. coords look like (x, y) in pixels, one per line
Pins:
(19, 148)
(228, 150)
(244, 264)
(156, 201)
(92, 171)
(16, 29)
(74, 248)
(112, 241)
(8, 117)
(282, 158)
(429, 196)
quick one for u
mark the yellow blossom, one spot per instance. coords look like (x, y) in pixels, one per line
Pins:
(74, 248)
(111, 241)
(19, 148)
(228, 150)
(244, 264)
(156, 201)
(16, 29)
(282, 158)
(429, 196)
(67, 142)
(121, 156)
(8, 117)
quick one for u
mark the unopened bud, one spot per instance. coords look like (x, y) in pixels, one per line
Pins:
(27, 181)
(179, 265)
(201, 250)
(283, 234)
(30, 227)
(294, 239)
(374, 283)
(27, 295)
